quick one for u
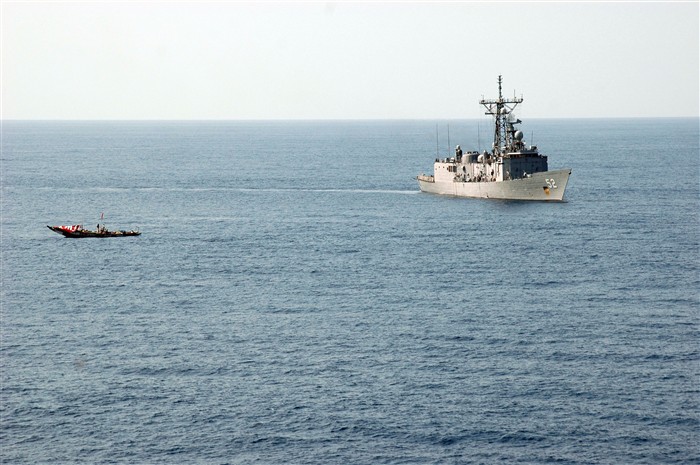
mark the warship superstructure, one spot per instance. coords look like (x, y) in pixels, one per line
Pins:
(511, 170)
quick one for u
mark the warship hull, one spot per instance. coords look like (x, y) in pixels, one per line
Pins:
(542, 186)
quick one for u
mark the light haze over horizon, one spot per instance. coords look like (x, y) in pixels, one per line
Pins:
(344, 60)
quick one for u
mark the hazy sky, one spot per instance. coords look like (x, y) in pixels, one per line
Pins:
(316, 60)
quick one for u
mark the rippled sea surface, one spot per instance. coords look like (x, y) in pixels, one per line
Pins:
(294, 299)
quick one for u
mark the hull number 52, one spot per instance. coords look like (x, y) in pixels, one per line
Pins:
(550, 183)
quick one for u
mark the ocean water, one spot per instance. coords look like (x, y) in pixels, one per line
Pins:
(294, 299)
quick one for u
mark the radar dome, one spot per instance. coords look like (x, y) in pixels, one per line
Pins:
(518, 135)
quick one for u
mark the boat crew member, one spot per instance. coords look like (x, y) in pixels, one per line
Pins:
(458, 153)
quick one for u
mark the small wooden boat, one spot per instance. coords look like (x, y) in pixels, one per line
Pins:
(77, 230)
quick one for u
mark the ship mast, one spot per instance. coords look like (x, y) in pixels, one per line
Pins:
(504, 134)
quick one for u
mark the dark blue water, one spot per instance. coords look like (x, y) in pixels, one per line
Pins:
(294, 299)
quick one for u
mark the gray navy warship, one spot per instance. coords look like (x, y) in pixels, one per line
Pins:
(512, 170)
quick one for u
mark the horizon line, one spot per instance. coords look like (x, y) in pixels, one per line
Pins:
(320, 119)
